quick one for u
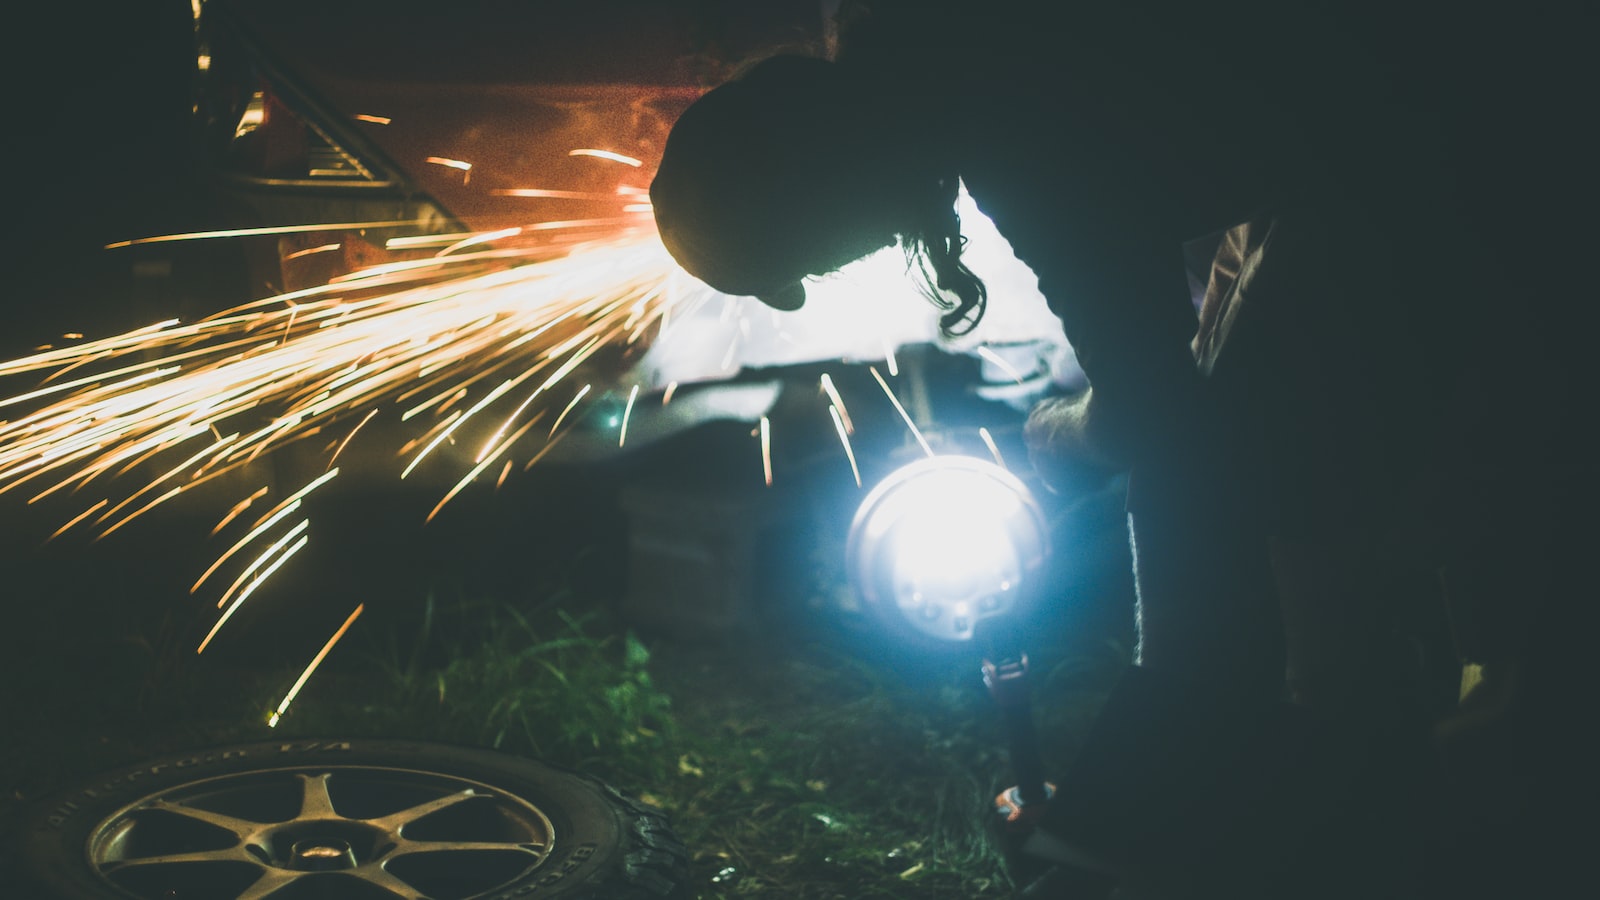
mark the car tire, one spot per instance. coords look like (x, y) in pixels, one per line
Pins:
(349, 819)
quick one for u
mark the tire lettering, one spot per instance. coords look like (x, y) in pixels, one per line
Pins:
(61, 814)
(312, 745)
(66, 810)
(580, 854)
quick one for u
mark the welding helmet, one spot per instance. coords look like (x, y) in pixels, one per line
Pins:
(766, 179)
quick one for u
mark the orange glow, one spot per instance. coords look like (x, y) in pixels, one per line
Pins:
(470, 348)
(448, 338)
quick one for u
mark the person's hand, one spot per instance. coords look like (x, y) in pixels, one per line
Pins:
(1067, 448)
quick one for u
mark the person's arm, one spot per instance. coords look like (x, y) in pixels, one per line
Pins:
(1060, 429)
(1126, 309)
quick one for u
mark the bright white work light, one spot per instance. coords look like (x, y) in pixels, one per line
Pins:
(944, 543)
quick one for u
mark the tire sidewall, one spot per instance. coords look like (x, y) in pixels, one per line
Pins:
(588, 823)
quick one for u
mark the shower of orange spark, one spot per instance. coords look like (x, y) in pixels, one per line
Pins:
(467, 343)
(272, 720)
(470, 347)
(416, 338)
(450, 337)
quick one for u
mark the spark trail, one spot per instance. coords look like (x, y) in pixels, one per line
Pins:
(481, 344)
(475, 341)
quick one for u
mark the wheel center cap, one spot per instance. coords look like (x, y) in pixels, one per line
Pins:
(322, 855)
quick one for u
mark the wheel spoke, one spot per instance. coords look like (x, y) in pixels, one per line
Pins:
(243, 829)
(468, 826)
(379, 877)
(315, 803)
(394, 821)
(414, 848)
(230, 854)
(270, 882)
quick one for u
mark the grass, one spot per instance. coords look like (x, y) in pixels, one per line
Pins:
(802, 773)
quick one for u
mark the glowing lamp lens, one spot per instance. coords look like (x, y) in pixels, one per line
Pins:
(944, 543)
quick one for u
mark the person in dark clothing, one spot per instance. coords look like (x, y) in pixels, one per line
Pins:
(1275, 441)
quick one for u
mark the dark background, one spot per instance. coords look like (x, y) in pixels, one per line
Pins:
(96, 150)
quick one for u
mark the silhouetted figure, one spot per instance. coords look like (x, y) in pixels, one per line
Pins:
(1286, 443)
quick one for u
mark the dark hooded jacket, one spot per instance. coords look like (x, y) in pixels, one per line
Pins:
(1102, 139)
